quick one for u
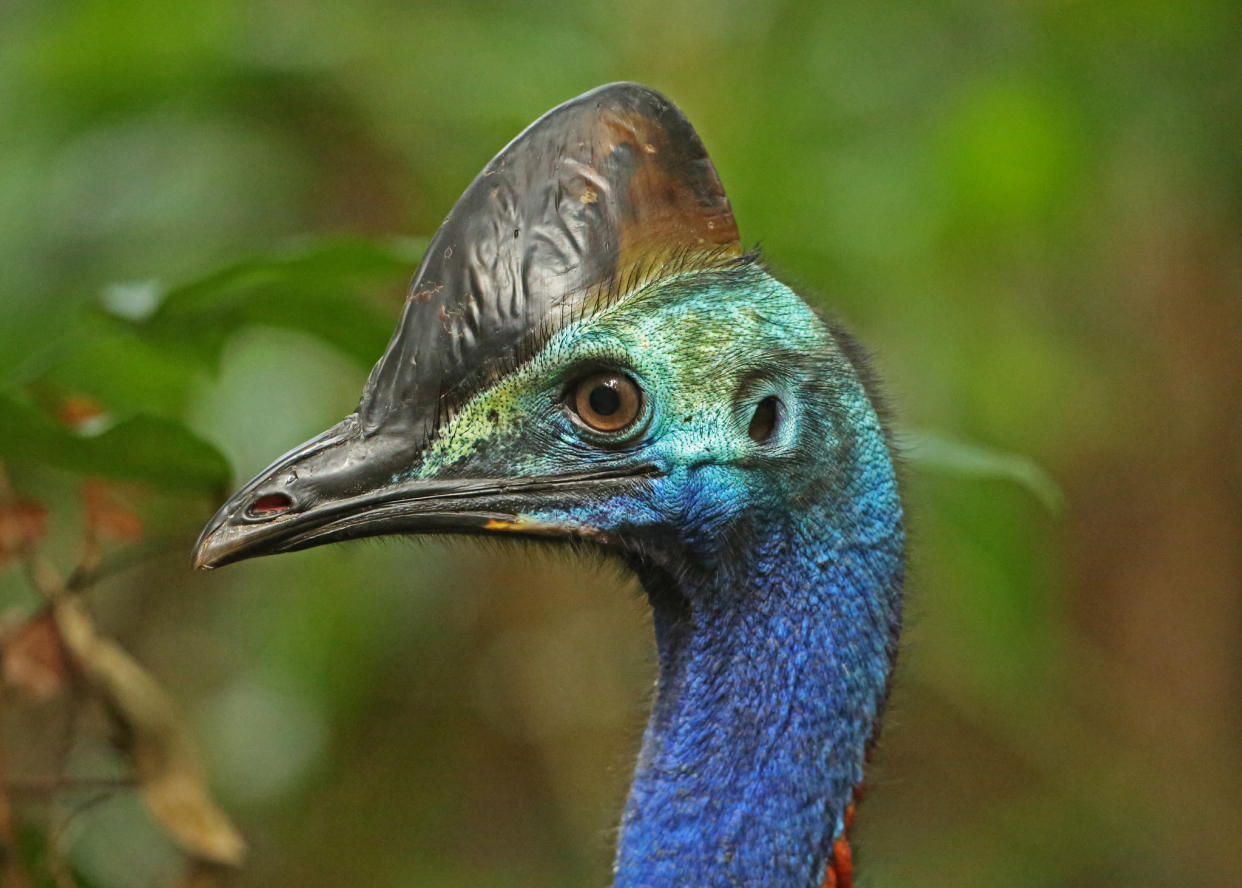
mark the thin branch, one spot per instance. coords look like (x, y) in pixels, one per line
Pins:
(43, 576)
(54, 854)
(52, 784)
(86, 575)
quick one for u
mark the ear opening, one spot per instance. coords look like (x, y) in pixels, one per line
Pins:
(765, 421)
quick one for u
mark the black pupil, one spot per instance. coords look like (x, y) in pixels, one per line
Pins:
(604, 400)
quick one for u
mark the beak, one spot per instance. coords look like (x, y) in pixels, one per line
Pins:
(344, 485)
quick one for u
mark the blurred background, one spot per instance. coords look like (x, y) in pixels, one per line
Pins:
(1030, 211)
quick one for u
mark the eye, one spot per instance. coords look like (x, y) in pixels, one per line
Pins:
(763, 423)
(606, 402)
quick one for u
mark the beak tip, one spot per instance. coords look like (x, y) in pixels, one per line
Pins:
(207, 553)
(200, 558)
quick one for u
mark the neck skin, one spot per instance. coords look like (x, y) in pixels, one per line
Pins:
(772, 676)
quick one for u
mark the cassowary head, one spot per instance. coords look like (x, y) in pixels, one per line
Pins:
(586, 354)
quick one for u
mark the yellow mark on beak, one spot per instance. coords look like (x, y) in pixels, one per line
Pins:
(500, 524)
(524, 524)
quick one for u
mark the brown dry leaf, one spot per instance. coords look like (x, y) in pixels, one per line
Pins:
(22, 524)
(170, 778)
(33, 660)
(79, 411)
(107, 516)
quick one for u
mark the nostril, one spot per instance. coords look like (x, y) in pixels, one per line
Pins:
(269, 505)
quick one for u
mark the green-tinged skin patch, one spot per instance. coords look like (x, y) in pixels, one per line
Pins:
(692, 342)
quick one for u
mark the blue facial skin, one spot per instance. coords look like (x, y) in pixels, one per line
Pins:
(774, 567)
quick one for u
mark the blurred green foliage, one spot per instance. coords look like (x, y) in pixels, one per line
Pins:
(1029, 210)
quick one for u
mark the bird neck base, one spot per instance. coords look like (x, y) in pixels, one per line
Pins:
(773, 673)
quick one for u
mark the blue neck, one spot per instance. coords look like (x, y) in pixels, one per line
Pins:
(773, 671)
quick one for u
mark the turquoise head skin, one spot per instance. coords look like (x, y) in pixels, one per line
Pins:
(705, 348)
(752, 490)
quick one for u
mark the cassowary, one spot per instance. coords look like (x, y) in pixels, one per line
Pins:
(587, 354)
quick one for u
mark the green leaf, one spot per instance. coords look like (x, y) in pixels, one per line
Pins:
(320, 289)
(121, 370)
(142, 448)
(936, 452)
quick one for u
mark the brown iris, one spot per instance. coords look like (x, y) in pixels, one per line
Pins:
(606, 402)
